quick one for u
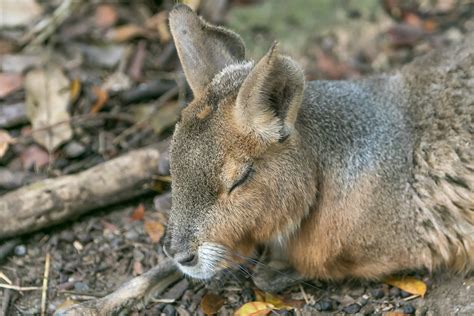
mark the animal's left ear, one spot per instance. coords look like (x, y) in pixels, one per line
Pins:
(270, 97)
(203, 49)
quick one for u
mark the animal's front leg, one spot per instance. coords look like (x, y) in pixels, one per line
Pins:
(276, 274)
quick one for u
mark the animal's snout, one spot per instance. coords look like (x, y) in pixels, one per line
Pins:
(184, 257)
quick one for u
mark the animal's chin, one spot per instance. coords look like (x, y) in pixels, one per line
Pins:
(211, 259)
(198, 272)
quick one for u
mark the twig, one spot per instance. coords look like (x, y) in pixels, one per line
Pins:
(20, 288)
(159, 103)
(5, 302)
(46, 27)
(306, 299)
(44, 293)
(5, 278)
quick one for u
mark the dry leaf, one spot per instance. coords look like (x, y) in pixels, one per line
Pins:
(105, 16)
(159, 119)
(126, 33)
(193, 4)
(254, 309)
(138, 213)
(101, 98)
(75, 89)
(408, 284)
(278, 302)
(395, 314)
(9, 83)
(155, 230)
(34, 156)
(18, 12)
(211, 303)
(67, 303)
(5, 141)
(47, 99)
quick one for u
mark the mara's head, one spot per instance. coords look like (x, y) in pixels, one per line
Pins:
(236, 161)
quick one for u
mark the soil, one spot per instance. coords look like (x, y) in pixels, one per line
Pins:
(93, 255)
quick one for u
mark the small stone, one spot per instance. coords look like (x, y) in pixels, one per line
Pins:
(169, 310)
(394, 292)
(132, 235)
(352, 309)
(163, 202)
(74, 150)
(408, 309)
(324, 305)
(248, 295)
(377, 293)
(404, 294)
(20, 250)
(67, 236)
(357, 292)
(81, 287)
(84, 238)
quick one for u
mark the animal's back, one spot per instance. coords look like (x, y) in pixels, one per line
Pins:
(440, 103)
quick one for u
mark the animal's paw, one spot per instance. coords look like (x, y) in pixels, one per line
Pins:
(275, 277)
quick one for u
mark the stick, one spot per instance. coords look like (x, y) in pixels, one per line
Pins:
(44, 292)
(19, 288)
(52, 201)
(134, 293)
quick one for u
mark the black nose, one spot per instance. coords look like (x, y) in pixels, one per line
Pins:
(186, 259)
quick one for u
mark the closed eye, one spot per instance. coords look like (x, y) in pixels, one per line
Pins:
(242, 179)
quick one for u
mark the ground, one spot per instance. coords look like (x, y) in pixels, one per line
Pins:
(124, 67)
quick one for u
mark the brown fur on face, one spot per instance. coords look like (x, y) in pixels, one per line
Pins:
(344, 179)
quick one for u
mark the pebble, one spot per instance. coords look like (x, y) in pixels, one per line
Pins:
(20, 250)
(163, 202)
(67, 236)
(81, 287)
(394, 291)
(169, 310)
(377, 293)
(324, 305)
(404, 294)
(177, 290)
(408, 309)
(352, 309)
(74, 150)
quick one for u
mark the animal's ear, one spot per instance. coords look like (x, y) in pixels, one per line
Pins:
(270, 97)
(203, 49)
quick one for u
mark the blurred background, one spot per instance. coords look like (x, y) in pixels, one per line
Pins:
(82, 82)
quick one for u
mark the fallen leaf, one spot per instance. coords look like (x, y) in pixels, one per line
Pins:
(254, 309)
(5, 141)
(118, 81)
(105, 16)
(193, 4)
(408, 284)
(34, 157)
(211, 303)
(101, 98)
(75, 89)
(18, 12)
(9, 82)
(125, 33)
(395, 314)
(404, 34)
(47, 99)
(138, 213)
(278, 302)
(155, 230)
(67, 303)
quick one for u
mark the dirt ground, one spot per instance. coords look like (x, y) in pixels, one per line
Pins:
(124, 63)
